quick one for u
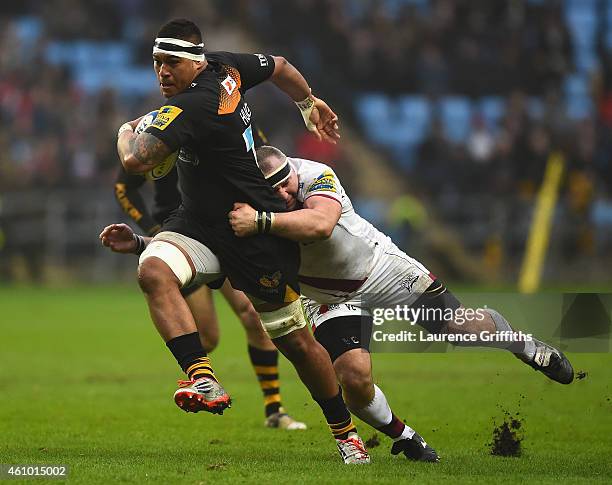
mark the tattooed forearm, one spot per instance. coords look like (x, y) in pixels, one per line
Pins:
(148, 150)
(140, 153)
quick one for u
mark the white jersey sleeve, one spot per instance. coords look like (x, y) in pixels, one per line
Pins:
(335, 267)
(316, 179)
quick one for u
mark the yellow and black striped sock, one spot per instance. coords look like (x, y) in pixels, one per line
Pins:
(337, 416)
(200, 368)
(188, 352)
(265, 363)
(341, 430)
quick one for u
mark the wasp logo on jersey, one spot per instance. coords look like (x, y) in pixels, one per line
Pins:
(165, 116)
(271, 281)
(326, 181)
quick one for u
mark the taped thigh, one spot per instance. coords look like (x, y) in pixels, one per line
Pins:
(283, 321)
(190, 260)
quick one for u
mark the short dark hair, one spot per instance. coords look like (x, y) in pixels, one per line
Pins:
(181, 29)
(269, 159)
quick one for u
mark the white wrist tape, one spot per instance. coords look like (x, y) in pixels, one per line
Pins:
(124, 127)
(306, 106)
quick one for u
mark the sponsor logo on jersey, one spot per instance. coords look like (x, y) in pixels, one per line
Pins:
(187, 155)
(165, 116)
(271, 281)
(263, 60)
(229, 84)
(408, 282)
(249, 141)
(348, 341)
(328, 308)
(229, 87)
(324, 182)
(245, 114)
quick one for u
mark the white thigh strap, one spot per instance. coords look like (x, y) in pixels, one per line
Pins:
(283, 321)
(172, 256)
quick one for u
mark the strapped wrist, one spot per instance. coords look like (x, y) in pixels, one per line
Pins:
(306, 106)
(264, 221)
(140, 244)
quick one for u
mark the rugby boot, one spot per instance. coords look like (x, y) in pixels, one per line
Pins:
(282, 420)
(550, 362)
(352, 450)
(416, 449)
(203, 394)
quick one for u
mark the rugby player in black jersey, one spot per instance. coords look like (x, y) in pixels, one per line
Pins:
(262, 352)
(208, 120)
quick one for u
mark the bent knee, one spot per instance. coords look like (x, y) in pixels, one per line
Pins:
(154, 274)
(248, 316)
(356, 385)
(354, 374)
(296, 346)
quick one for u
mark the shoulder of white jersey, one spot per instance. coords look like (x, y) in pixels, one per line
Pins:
(316, 178)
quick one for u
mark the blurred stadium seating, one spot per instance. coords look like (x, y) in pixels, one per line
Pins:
(463, 100)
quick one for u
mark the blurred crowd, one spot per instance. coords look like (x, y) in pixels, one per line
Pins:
(547, 64)
(60, 132)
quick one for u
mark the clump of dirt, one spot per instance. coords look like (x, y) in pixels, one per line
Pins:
(581, 374)
(507, 437)
(372, 442)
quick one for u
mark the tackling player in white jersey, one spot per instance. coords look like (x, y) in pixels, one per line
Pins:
(348, 268)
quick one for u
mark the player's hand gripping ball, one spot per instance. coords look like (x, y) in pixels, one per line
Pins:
(167, 165)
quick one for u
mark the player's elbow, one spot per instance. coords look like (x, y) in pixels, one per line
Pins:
(280, 65)
(323, 229)
(132, 165)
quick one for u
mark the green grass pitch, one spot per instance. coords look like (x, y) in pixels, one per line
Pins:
(85, 381)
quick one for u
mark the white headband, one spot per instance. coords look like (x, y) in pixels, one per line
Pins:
(279, 175)
(179, 48)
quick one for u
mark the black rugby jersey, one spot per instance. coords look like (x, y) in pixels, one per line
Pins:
(212, 125)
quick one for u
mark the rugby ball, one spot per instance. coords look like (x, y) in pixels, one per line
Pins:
(164, 168)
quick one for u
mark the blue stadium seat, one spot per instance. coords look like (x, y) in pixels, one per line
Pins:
(456, 116)
(92, 80)
(576, 84)
(414, 118)
(585, 59)
(374, 112)
(608, 24)
(579, 107)
(28, 29)
(393, 7)
(57, 53)
(602, 213)
(89, 55)
(492, 109)
(578, 102)
(134, 81)
(582, 22)
(138, 81)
